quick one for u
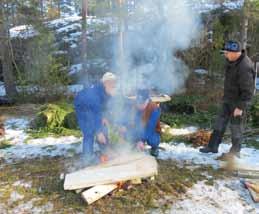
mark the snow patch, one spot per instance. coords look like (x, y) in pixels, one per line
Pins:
(223, 197)
(15, 196)
(69, 28)
(22, 148)
(183, 131)
(63, 21)
(29, 207)
(187, 154)
(74, 69)
(14, 128)
(23, 32)
(201, 71)
(22, 183)
(45, 147)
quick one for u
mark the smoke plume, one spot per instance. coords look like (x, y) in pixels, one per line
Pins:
(145, 53)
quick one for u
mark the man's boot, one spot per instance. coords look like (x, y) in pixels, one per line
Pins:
(154, 151)
(213, 144)
(233, 152)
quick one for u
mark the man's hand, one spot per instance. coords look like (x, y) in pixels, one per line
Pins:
(140, 146)
(238, 112)
(101, 138)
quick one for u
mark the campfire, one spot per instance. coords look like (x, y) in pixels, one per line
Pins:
(95, 182)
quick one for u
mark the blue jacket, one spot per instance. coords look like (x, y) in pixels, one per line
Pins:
(90, 105)
(148, 132)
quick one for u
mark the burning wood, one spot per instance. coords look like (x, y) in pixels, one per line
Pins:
(120, 173)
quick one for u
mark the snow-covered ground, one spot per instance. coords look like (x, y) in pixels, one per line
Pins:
(23, 31)
(225, 196)
(25, 148)
(189, 155)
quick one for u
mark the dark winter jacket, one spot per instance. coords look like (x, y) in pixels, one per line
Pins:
(239, 82)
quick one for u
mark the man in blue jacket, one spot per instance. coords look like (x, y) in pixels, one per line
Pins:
(90, 106)
(147, 123)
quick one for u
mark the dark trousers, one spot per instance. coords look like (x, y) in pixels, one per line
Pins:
(225, 117)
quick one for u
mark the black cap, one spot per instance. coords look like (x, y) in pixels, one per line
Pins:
(232, 46)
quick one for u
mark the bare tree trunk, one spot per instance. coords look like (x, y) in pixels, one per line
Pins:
(59, 8)
(5, 55)
(122, 62)
(84, 38)
(84, 9)
(41, 8)
(245, 22)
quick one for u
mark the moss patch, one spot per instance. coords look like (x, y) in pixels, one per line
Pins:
(56, 119)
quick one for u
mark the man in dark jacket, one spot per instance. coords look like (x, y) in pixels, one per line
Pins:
(90, 104)
(239, 89)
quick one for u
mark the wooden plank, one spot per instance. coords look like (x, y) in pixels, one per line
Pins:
(93, 176)
(254, 191)
(254, 195)
(136, 181)
(155, 98)
(238, 165)
(95, 193)
(248, 174)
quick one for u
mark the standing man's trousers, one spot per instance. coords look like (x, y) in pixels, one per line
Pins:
(225, 117)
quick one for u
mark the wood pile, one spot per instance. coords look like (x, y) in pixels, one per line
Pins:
(200, 138)
(95, 182)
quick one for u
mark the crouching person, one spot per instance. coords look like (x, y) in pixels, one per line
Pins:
(90, 105)
(147, 123)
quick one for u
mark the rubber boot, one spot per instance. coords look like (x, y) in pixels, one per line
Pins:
(213, 144)
(154, 152)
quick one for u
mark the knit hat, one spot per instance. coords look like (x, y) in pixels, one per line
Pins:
(108, 76)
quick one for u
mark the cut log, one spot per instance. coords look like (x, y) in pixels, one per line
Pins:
(97, 192)
(106, 174)
(136, 181)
